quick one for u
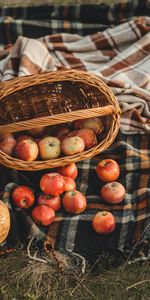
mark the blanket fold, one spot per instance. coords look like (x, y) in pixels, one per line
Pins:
(120, 56)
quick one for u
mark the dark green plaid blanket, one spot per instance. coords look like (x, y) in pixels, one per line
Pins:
(74, 233)
(83, 19)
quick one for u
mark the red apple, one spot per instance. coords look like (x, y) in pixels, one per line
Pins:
(49, 147)
(7, 143)
(72, 133)
(108, 170)
(26, 150)
(37, 132)
(52, 201)
(92, 123)
(68, 170)
(62, 133)
(78, 124)
(43, 214)
(52, 184)
(23, 197)
(72, 145)
(87, 135)
(23, 137)
(62, 129)
(74, 202)
(113, 192)
(70, 184)
(104, 222)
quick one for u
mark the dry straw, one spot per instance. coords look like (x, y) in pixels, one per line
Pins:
(54, 98)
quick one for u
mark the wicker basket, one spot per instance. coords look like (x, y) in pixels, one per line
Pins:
(53, 98)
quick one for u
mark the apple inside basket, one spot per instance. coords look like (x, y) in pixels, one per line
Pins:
(53, 119)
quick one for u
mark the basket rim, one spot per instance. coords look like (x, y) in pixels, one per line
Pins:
(16, 84)
(78, 76)
(9, 87)
(60, 118)
(35, 165)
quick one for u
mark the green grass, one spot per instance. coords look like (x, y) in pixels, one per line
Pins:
(22, 279)
(55, 2)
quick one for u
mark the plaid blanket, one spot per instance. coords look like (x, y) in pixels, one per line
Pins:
(120, 56)
(73, 234)
(83, 19)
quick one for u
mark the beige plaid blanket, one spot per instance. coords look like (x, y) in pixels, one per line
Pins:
(120, 56)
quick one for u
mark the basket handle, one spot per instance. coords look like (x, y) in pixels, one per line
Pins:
(62, 118)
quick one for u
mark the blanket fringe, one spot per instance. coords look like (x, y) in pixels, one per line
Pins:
(34, 257)
(82, 259)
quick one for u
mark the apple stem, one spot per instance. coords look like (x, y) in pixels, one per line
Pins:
(23, 201)
(107, 163)
(104, 214)
(73, 193)
(114, 184)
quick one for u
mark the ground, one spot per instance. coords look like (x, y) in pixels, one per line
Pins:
(36, 2)
(35, 280)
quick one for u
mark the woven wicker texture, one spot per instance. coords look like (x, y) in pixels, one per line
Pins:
(54, 98)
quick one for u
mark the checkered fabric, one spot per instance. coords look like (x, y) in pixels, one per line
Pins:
(74, 233)
(120, 57)
(83, 19)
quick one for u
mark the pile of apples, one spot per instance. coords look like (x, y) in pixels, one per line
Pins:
(51, 142)
(58, 190)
